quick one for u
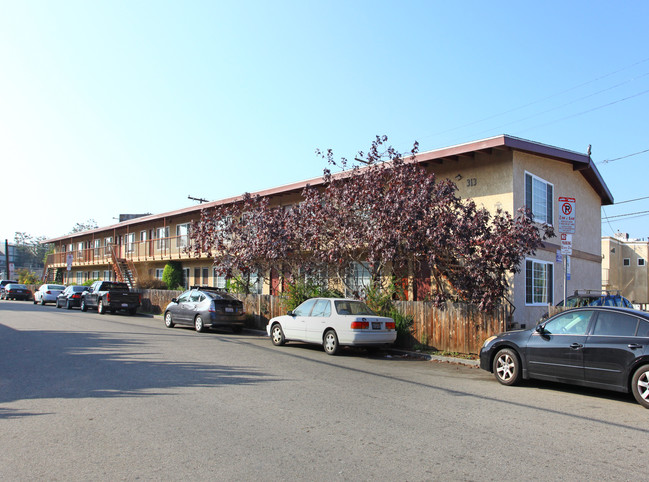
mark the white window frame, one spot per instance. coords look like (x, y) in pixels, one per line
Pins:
(220, 281)
(158, 273)
(107, 275)
(641, 262)
(182, 233)
(626, 262)
(547, 294)
(541, 207)
(161, 235)
(358, 277)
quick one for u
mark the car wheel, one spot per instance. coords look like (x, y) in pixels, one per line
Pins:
(132, 311)
(35, 300)
(277, 335)
(507, 367)
(101, 309)
(169, 322)
(237, 329)
(83, 306)
(198, 323)
(331, 346)
(68, 305)
(640, 385)
(42, 301)
(58, 305)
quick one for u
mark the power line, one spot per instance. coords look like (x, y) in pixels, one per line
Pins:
(632, 200)
(606, 161)
(538, 100)
(626, 215)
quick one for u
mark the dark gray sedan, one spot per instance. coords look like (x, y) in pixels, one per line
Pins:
(204, 307)
(600, 347)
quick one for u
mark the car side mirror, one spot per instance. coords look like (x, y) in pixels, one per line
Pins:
(174, 300)
(540, 330)
(290, 313)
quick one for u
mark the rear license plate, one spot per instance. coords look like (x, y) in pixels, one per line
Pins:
(229, 309)
(125, 305)
(376, 325)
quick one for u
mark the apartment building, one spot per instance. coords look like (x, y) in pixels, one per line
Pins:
(624, 267)
(500, 172)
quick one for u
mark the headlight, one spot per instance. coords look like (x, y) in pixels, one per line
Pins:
(488, 340)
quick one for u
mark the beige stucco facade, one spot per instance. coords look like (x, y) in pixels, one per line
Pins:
(624, 267)
(492, 172)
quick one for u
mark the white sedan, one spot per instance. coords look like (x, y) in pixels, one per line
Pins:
(332, 323)
(47, 293)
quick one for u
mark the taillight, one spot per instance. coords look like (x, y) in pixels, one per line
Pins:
(212, 307)
(360, 325)
(107, 297)
(139, 298)
(76, 295)
(48, 292)
(390, 325)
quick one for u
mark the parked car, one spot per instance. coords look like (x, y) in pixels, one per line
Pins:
(601, 347)
(4, 283)
(205, 307)
(16, 291)
(593, 298)
(47, 293)
(70, 296)
(332, 323)
(596, 298)
(110, 296)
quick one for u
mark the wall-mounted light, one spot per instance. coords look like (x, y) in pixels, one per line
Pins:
(458, 177)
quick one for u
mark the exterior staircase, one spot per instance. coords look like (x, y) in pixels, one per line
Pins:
(124, 269)
(53, 275)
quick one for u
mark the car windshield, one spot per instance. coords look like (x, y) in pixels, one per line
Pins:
(76, 289)
(55, 287)
(16, 287)
(348, 307)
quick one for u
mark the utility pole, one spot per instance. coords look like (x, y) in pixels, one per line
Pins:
(7, 258)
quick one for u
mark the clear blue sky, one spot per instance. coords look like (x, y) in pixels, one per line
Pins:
(110, 107)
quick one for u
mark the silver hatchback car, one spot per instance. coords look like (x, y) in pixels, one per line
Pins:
(205, 307)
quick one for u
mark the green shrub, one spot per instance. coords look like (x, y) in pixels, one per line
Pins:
(26, 277)
(172, 275)
(153, 284)
(299, 291)
(90, 282)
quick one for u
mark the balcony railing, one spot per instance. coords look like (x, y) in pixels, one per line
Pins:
(173, 247)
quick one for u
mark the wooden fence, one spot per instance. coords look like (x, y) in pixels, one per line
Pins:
(455, 327)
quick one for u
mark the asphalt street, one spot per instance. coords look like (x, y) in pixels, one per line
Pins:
(86, 396)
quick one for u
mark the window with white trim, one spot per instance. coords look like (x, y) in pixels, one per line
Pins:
(539, 198)
(219, 280)
(107, 275)
(182, 232)
(641, 262)
(358, 277)
(626, 262)
(162, 234)
(158, 273)
(130, 242)
(539, 282)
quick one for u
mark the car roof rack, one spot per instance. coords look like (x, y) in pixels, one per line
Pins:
(598, 293)
(208, 288)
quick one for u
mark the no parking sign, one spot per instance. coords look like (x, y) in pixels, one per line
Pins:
(567, 215)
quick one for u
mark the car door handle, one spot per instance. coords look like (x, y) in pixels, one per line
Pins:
(634, 346)
(576, 346)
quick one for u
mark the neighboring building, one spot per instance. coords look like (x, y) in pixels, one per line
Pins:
(500, 172)
(624, 267)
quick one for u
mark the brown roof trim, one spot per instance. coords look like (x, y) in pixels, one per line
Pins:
(581, 162)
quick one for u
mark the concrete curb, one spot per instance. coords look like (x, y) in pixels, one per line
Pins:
(438, 358)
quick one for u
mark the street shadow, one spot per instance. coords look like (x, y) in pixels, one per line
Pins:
(73, 365)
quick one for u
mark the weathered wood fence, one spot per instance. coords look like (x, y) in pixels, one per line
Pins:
(455, 327)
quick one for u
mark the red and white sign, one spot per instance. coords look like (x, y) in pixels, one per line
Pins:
(566, 244)
(567, 215)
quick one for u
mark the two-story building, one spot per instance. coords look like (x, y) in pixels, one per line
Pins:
(500, 172)
(625, 268)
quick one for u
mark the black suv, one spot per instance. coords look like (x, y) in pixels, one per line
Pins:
(205, 307)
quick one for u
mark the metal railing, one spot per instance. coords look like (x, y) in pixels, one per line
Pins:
(173, 247)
